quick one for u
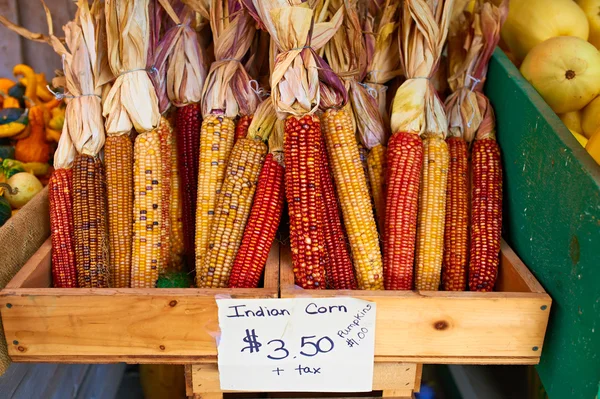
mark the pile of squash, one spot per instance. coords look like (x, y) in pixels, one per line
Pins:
(31, 121)
(556, 44)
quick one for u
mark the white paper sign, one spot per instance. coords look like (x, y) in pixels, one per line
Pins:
(296, 345)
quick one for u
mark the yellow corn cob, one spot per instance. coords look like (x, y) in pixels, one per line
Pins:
(175, 211)
(146, 210)
(216, 141)
(376, 165)
(165, 134)
(432, 210)
(232, 211)
(353, 192)
(118, 157)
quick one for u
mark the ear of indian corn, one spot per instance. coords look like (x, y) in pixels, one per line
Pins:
(175, 210)
(376, 166)
(338, 269)
(302, 189)
(215, 146)
(118, 156)
(353, 192)
(231, 212)
(456, 237)
(147, 210)
(486, 215)
(165, 136)
(187, 125)
(241, 128)
(432, 209)
(90, 224)
(60, 196)
(262, 225)
(405, 161)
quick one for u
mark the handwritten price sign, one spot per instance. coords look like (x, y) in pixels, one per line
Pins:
(296, 345)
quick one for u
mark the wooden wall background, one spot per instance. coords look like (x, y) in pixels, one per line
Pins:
(30, 14)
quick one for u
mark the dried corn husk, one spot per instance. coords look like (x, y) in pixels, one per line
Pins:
(472, 39)
(83, 78)
(131, 101)
(372, 130)
(301, 79)
(65, 152)
(227, 88)
(263, 121)
(423, 32)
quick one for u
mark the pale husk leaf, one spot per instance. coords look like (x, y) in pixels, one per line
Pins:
(131, 102)
(416, 107)
(370, 124)
(83, 114)
(65, 151)
(227, 89)
(385, 62)
(263, 120)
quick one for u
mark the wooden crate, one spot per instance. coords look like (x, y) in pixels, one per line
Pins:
(394, 380)
(82, 325)
(503, 327)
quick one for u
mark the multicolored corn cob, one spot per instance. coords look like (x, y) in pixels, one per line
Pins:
(165, 136)
(405, 161)
(176, 211)
(262, 224)
(147, 210)
(231, 213)
(376, 166)
(303, 192)
(60, 196)
(90, 224)
(241, 128)
(338, 269)
(353, 192)
(215, 146)
(118, 156)
(187, 126)
(432, 210)
(456, 232)
(486, 215)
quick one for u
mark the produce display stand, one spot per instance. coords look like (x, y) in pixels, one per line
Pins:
(110, 325)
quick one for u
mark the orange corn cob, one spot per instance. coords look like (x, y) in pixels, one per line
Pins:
(165, 136)
(353, 192)
(405, 160)
(302, 188)
(147, 211)
(216, 143)
(187, 124)
(486, 215)
(241, 128)
(231, 213)
(90, 224)
(456, 237)
(118, 156)
(432, 209)
(262, 225)
(175, 211)
(60, 195)
(376, 166)
(338, 269)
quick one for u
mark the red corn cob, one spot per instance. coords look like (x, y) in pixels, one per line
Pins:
(187, 123)
(405, 161)
(339, 270)
(60, 193)
(241, 129)
(486, 215)
(303, 192)
(261, 227)
(456, 237)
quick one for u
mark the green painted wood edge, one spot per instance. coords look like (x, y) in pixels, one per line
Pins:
(552, 220)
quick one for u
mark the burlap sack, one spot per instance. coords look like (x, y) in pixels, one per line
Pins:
(20, 237)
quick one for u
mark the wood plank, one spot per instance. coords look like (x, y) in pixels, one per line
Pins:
(443, 325)
(514, 275)
(36, 273)
(205, 377)
(398, 394)
(552, 221)
(418, 377)
(11, 52)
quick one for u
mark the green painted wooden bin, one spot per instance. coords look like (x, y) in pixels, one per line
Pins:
(552, 221)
